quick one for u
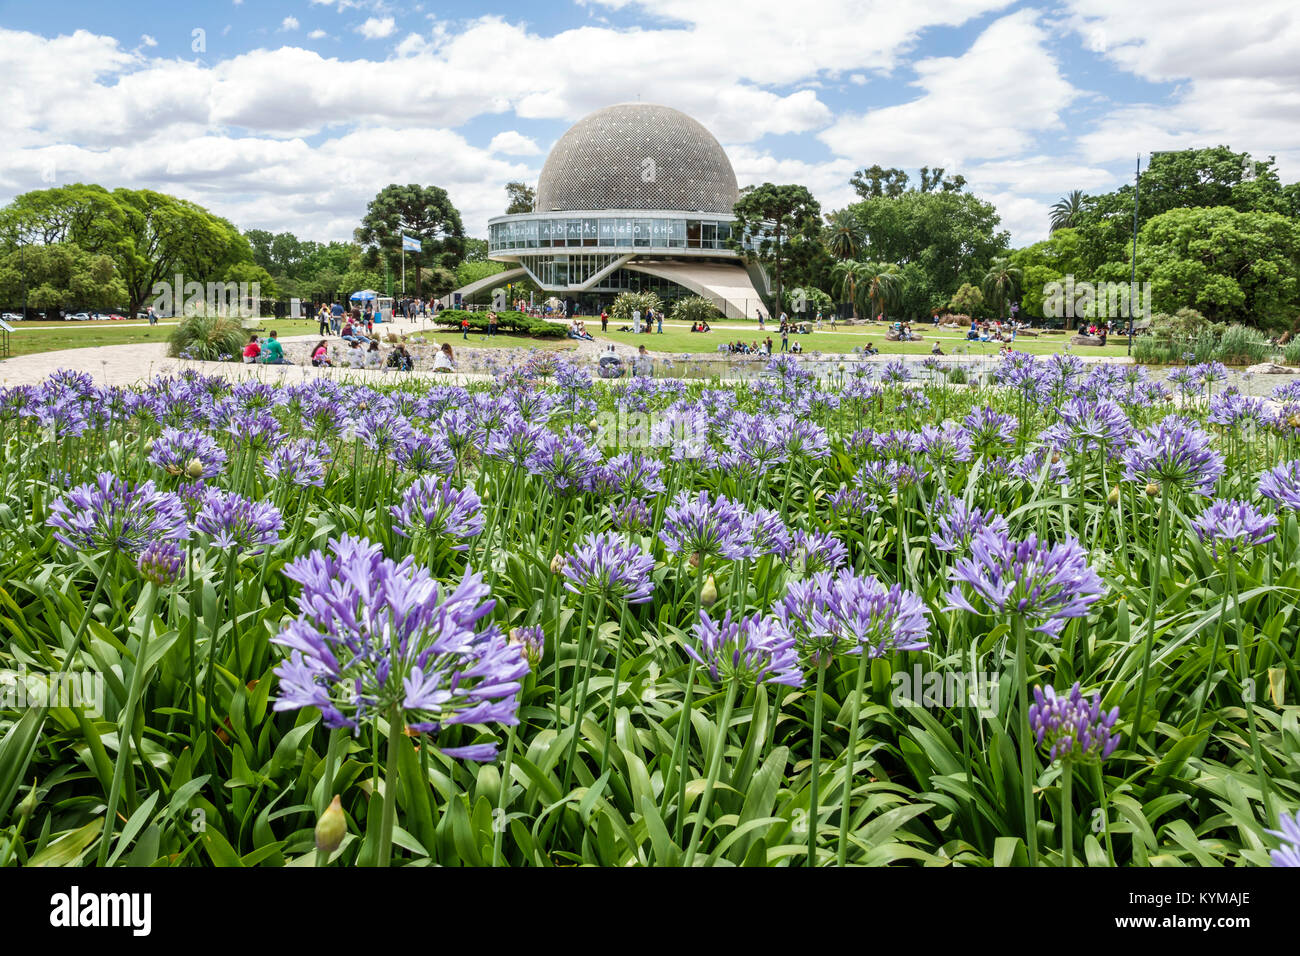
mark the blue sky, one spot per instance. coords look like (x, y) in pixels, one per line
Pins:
(291, 114)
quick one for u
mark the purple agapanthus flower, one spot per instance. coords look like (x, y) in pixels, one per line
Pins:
(1174, 452)
(1233, 525)
(116, 514)
(855, 614)
(1043, 584)
(816, 550)
(530, 639)
(567, 463)
(751, 650)
(991, 432)
(633, 475)
(631, 516)
(1087, 425)
(424, 454)
(434, 506)
(299, 462)
(761, 532)
(606, 566)
(373, 636)
(1073, 728)
(233, 521)
(702, 526)
(1289, 832)
(160, 562)
(191, 454)
(1281, 485)
(958, 523)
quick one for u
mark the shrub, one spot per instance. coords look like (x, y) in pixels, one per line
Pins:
(209, 338)
(509, 322)
(1291, 354)
(694, 308)
(1243, 345)
(628, 302)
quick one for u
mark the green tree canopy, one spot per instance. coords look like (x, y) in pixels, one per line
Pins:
(783, 223)
(425, 213)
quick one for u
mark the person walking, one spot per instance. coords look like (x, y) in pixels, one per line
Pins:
(492, 323)
(604, 321)
(323, 320)
(785, 335)
(636, 320)
(464, 328)
(153, 316)
(660, 317)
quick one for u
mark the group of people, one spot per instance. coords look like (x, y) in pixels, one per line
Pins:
(904, 331)
(266, 351)
(995, 331)
(334, 320)
(578, 330)
(611, 363)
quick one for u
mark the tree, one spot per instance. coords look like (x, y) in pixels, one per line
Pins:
(848, 273)
(1066, 210)
(781, 224)
(951, 235)
(1231, 266)
(421, 212)
(522, 198)
(932, 179)
(60, 274)
(468, 271)
(880, 286)
(87, 215)
(876, 181)
(968, 300)
(844, 236)
(1000, 285)
(1052, 260)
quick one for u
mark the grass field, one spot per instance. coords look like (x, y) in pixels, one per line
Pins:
(32, 337)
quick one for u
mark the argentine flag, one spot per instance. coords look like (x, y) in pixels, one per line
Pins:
(410, 245)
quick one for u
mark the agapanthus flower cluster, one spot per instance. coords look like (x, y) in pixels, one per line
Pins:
(1073, 727)
(1289, 832)
(1043, 584)
(435, 507)
(752, 650)
(1233, 525)
(1088, 425)
(816, 550)
(1177, 453)
(531, 640)
(702, 526)
(831, 613)
(233, 521)
(118, 515)
(300, 462)
(190, 454)
(1281, 485)
(606, 566)
(958, 523)
(161, 561)
(374, 636)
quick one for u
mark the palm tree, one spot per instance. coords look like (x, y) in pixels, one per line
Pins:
(1066, 210)
(1001, 283)
(843, 234)
(847, 274)
(880, 285)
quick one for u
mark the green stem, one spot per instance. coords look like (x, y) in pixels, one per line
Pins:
(383, 853)
(850, 758)
(815, 782)
(1067, 813)
(1027, 774)
(1152, 601)
(715, 766)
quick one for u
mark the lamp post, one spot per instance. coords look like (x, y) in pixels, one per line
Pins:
(1132, 282)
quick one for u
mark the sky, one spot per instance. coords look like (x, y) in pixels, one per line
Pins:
(293, 114)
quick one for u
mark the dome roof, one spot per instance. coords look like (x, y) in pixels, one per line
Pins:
(637, 156)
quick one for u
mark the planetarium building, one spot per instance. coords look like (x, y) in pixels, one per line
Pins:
(633, 197)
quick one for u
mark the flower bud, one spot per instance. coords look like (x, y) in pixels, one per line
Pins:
(709, 593)
(1112, 499)
(331, 827)
(557, 563)
(194, 469)
(1153, 489)
(28, 804)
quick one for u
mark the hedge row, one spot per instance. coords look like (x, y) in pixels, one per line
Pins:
(510, 322)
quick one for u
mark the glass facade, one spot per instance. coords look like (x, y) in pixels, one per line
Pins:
(608, 232)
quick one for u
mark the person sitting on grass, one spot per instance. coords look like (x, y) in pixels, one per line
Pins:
(320, 355)
(401, 359)
(935, 350)
(251, 350)
(273, 351)
(870, 350)
(445, 360)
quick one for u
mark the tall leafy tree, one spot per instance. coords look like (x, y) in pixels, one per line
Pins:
(521, 197)
(422, 212)
(877, 181)
(1001, 284)
(782, 224)
(848, 273)
(844, 236)
(1066, 210)
(879, 287)
(933, 180)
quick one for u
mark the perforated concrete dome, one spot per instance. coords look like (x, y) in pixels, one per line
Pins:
(637, 156)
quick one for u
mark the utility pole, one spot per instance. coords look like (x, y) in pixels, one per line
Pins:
(1132, 284)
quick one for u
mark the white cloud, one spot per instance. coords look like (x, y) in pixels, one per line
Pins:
(317, 34)
(289, 23)
(513, 143)
(376, 28)
(147, 40)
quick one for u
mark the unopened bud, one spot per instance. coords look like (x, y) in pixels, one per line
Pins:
(194, 469)
(331, 827)
(1153, 489)
(709, 593)
(1112, 499)
(557, 563)
(28, 804)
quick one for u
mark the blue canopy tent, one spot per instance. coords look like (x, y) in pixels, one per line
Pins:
(365, 295)
(383, 303)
